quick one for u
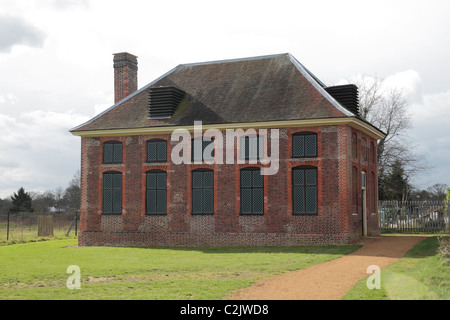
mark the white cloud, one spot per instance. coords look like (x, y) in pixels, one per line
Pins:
(15, 31)
(8, 98)
(409, 81)
(431, 119)
(70, 77)
(38, 152)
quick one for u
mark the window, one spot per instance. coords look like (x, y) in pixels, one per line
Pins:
(354, 146)
(304, 144)
(202, 192)
(156, 192)
(355, 189)
(251, 147)
(156, 150)
(304, 190)
(252, 191)
(372, 152)
(364, 150)
(112, 193)
(198, 149)
(373, 192)
(112, 152)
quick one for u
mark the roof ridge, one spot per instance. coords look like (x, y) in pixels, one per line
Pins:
(319, 85)
(234, 60)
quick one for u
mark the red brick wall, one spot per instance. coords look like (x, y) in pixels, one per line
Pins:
(337, 220)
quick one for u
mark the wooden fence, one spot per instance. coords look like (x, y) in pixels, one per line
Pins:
(414, 216)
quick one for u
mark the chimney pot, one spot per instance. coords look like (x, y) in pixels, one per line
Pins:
(125, 75)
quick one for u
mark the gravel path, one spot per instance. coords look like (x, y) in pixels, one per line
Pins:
(332, 279)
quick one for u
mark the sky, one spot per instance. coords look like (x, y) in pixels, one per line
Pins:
(56, 64)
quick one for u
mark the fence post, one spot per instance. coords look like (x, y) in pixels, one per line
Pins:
(7, 227)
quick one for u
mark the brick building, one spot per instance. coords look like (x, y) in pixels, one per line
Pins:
(134, 193)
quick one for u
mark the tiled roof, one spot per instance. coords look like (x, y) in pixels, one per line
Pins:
(267, 88)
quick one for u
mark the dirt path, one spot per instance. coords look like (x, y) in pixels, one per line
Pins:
(331, 280)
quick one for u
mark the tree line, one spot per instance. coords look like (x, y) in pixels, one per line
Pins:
(58, 200)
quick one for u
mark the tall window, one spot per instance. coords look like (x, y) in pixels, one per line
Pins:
(372, 152)
(252, 191)
(355, 189)
(354, 146)
(304, 144)
(202, 191)
(364, 150)
(112, 193)
(373, 192)
(156, 150)
(156, 192)
(304, 190)
(199, 145)
(112, 152)
(251, 147)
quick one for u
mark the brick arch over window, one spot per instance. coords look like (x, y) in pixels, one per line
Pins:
(304, 190)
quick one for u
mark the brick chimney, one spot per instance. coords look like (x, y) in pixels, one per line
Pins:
(125, 75)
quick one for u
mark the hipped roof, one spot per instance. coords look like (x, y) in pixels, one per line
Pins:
(258, 89)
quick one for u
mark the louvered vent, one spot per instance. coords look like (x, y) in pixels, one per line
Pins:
(347, 95)
(163, 101)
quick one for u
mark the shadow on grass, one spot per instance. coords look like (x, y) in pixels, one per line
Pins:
(333, 249)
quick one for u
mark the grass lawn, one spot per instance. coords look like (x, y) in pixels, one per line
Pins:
(37, 270)
(422, 274)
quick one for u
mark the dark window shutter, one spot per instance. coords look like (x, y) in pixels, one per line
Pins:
(304, 144)
(156, 192)
(252, 191)
(202, 191)
(112, 193)
(304, 190)
(156, 151)
(198, 147)
(251, 147)
(112, 152)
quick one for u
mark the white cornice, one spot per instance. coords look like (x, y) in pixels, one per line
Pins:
(351, 121)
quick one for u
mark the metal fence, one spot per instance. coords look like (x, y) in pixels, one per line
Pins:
(414, 216)
(25, 226)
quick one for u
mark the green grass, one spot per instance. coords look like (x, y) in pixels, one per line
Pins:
(18, 233)
(422, 274)
(38, 270)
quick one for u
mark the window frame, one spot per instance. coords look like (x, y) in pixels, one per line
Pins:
(354, 146)
(252, 188)
(304, 186)
(147, 190)
(202, 171)
(303, 134)
(112, 189)
(158, 158)
(113, 144)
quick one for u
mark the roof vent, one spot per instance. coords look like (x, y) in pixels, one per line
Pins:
(347, 95)
(164, 101)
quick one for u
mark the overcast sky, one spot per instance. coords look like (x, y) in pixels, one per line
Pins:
(56, 64)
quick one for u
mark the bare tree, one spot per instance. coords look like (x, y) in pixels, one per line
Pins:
(387, 108)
